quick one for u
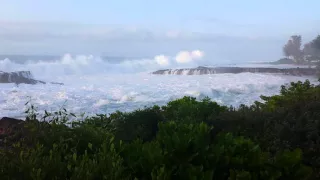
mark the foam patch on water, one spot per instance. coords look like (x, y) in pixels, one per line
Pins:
(126, 92)
(93, 85)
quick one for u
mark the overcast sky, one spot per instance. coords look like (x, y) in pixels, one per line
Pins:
(248, 30)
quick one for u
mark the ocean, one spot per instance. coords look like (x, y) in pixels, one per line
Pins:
(95, 85)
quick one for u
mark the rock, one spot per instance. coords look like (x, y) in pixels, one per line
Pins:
(15, 130)
(201, 70)
(11, 131)
(7, 125)
(56, 83)
(20, 77)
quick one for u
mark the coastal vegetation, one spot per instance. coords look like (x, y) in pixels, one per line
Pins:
(294, 53)
(277, 138)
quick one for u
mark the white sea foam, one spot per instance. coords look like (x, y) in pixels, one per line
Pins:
(95, 86)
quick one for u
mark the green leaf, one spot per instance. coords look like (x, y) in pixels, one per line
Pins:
(90, 146)
(74, 156)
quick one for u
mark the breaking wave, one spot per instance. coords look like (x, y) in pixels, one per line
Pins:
(95, 85)
(89, 65)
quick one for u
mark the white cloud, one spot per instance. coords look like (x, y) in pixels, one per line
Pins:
(187, 57)
(162, 60)
(183, 57)
(197, 54)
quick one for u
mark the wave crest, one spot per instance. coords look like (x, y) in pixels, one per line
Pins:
(86, 65)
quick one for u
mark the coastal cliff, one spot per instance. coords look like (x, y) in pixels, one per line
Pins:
(220, 70)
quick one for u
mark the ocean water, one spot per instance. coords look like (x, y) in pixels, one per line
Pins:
(93, 85)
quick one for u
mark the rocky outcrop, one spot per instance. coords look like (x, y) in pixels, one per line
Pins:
(11, 131)
(220, 70)
(8, 125)
(14, 130)
(20, 77)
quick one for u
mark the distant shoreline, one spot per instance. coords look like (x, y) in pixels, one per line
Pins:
(201, 70)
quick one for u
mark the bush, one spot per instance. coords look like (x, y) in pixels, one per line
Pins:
(186, 139)
(65, 158)
(188, 108)
(180, 151)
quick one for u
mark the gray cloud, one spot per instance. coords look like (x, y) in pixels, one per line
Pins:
(44, 31)
(58, 38)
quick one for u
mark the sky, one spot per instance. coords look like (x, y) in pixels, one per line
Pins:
(229, 29)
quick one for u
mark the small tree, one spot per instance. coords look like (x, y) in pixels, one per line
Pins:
(293, 49)
(316, 46)
(309, 52)
(297, 52)
(316, 43)
(286, 50)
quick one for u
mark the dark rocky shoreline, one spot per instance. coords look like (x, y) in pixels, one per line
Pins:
(21, 77)
(235, 70)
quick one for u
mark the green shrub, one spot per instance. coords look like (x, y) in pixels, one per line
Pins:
(278, 138)
(141, 124)
(186, 151)
(61, 161)
(188, 108)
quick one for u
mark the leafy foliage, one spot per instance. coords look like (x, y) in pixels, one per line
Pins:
(310, 54)
(316, 43)
(293, 48)
(188, 108)
(278, 138)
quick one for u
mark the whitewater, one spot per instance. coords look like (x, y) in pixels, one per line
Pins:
(93, 85)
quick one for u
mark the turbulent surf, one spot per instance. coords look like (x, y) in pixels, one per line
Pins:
(103, 85)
